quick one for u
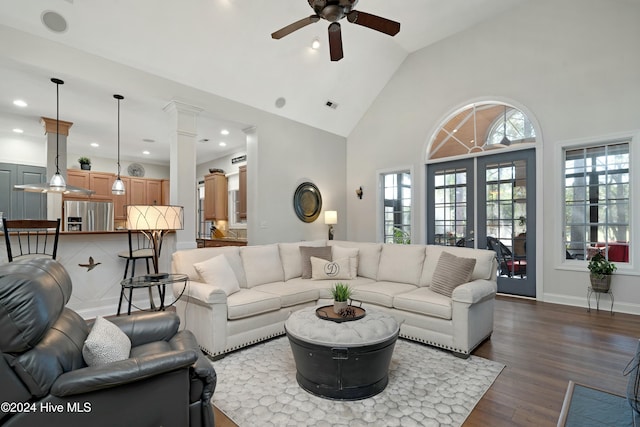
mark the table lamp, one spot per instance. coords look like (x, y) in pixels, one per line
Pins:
(330, 218)
(154, 221)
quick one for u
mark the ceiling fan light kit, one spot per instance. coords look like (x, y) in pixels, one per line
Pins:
(333, 11)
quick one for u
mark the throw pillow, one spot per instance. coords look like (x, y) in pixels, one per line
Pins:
(322, 269)
(218, 272)
(339, 252)
(451, 272)
(106, 343)
(306, 252)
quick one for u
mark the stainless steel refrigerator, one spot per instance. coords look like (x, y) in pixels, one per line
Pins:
(88, 216)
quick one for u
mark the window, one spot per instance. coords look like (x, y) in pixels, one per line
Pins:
(597, 204)
(514, 125)
(397, 207)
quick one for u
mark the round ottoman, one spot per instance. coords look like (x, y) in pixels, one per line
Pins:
(343, 361)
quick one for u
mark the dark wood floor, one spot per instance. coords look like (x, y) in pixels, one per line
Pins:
(543, 347)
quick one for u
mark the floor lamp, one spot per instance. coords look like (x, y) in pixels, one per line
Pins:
(154, 221)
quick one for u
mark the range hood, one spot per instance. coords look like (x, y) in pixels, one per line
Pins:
(45, 187)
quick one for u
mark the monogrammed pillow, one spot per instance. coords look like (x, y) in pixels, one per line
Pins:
(322, 269)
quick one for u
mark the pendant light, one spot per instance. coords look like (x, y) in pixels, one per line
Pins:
(505, 141)
(57, 181)
(118, 186)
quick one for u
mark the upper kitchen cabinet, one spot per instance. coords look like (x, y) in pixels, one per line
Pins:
(215, 197)
(120, 202)
(78, 178)
(166, 198)
(22, 204)
(154, 191)
(101, 183)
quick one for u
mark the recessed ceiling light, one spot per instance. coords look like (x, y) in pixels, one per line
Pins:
(95, 144)
(146, 153)
(315, 44)
(19, 103)
(224, 132)
(16, 130)
(223, 144)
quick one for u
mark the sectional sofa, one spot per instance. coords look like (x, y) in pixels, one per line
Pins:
(237, 296)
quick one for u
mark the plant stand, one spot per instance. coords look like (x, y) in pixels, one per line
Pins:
(598, 294)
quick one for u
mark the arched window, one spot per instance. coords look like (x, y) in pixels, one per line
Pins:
(481, 127)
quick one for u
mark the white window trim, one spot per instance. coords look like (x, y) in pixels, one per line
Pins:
(632, 267)
(380, 200)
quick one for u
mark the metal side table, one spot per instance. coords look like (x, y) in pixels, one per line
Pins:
(149, 282)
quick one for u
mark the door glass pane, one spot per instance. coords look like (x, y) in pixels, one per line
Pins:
(450, 206)
(506, 216)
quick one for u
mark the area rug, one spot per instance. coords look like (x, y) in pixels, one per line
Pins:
(589, 407)
(427, 387)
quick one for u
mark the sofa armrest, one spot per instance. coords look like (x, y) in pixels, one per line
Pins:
(475, 291)
(203, 292)
(126, 371)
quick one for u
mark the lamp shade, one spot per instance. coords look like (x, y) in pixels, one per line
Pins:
(330, 217)
(155, 217)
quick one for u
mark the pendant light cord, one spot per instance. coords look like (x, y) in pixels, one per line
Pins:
(118, 137)
(57, 126)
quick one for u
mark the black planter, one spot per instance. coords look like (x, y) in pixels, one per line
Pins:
(85, 166)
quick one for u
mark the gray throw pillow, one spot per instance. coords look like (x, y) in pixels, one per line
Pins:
(451, 272)
(106, 343)
(306, 252)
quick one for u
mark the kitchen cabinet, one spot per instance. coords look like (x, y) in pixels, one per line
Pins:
(138, 191)
(154, 191)
(22, 204)
(242, 192)
(78, 178)
(101, 183)
(166, 197)
(215, 197)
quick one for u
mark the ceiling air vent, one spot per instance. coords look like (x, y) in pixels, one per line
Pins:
(331, 104)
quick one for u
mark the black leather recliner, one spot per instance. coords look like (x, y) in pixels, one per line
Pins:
(44, 380)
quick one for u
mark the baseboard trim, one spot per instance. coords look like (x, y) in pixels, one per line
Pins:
(618, 307)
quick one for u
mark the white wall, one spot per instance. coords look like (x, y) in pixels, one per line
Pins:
(23, 150)
(101, 164)
(572, 63)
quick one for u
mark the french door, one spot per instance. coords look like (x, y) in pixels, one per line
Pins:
(488, 202)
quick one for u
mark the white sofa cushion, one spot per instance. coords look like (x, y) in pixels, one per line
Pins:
(261, 264)
(424, 301)
(289, 294)
(451, 272)
(323, 287)
(217, 271)
(401, 263)
(183, 261)
(380, 293)
(484, 269)
(338, 252)
(339, 269)
(368, 256)
(290, 257)
(249, 302)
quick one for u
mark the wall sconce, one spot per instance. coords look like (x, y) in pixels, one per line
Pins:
(330, 218)
(359, 192)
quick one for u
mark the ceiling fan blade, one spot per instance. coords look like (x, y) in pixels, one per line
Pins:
(374, 22)
(285, 31)
(335, 41)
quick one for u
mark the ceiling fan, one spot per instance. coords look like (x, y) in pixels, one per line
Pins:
(333, 11)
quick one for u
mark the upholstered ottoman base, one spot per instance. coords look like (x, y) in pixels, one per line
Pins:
(342, 361)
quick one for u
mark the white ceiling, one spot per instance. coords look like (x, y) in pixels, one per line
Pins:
(222, 47)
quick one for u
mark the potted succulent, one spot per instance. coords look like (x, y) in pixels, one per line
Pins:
(341, 293)
(85, 163)
(600, 270)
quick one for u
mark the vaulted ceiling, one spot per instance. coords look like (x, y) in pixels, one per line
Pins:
(222, 47)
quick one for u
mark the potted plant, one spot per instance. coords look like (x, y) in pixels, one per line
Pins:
(341, 293)
(85, 163)
(600, 272)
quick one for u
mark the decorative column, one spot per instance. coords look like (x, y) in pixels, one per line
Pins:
(54, 200)
(182, 167)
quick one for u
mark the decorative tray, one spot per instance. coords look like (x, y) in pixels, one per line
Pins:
(326, 313)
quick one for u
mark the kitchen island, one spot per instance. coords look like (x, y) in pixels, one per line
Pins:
(96, 290)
